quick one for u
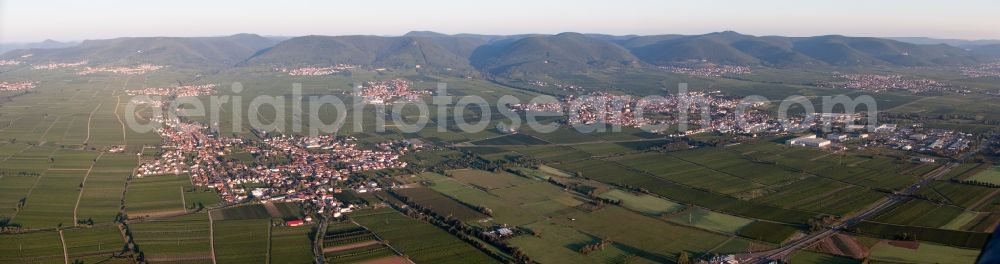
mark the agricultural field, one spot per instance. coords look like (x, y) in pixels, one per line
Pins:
(561, 244)
(919, 213)
(419, 241)
(544, 206)
(603, 149)
(965, 170)
(52, 200)
(923, 253)
(513, 139)
(31, 247)
(710, 220)
(285, 211)
(291, 245)
(165, 195)
(988, 175)
(611, 173)
(180, 238)
(486, 180)
(643, 203)
(241, 241)
(90, 243)
(686, 173)
(440, 204)
(767, 231)
(803, 256)
(374, 253)
(344, 234)
(969, 197)
(961, 239)
(245, 212)
(550, 153)
(100, 199)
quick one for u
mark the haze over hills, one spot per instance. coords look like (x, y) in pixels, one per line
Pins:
(571, 52)
(514, 54)
(735, 48)
(405, 51)
(46, 44)
(961, 43)
(177, 51)
(987, 50)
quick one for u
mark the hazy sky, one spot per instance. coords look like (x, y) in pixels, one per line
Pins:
(31, 20)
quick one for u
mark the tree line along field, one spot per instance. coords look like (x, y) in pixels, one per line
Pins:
(419, 241)
(812, 182)
(792, 179)
(347, 242)
(564, 225)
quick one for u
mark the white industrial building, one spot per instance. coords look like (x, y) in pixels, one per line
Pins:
(808, 141)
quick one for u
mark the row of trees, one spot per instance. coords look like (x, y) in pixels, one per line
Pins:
(461, 230)
(599, 245)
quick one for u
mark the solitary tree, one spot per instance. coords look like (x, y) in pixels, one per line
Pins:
(683, 258)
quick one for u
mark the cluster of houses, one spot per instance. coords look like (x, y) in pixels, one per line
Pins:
(53, 66)
(991, 69)
(709, 71)
(16, 86)
(9, 62)
(117, 149)
(179, 91)
(388, 91)
(284, 168)
(719, 112)
(880, 83)
(147, 101)
(564, 87)
(315, 71)
(140, 69)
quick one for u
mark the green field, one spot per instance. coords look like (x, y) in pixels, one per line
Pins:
(252, 211)
(185, 237)
(32, 247)
(52, 200)
(165, 194)
(925, 253)
(93, 242)
(963, 239)
(291, 245)
(419, 241)
(644, 203)
(989, 175)
(560, 244)
(241, 241)
(920, 213)
(100, 199)
(486, 180)
(768, 232)
(710, 220)
(440, 204)
(803, 256)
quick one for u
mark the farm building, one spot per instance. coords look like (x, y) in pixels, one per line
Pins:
(296, 222)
